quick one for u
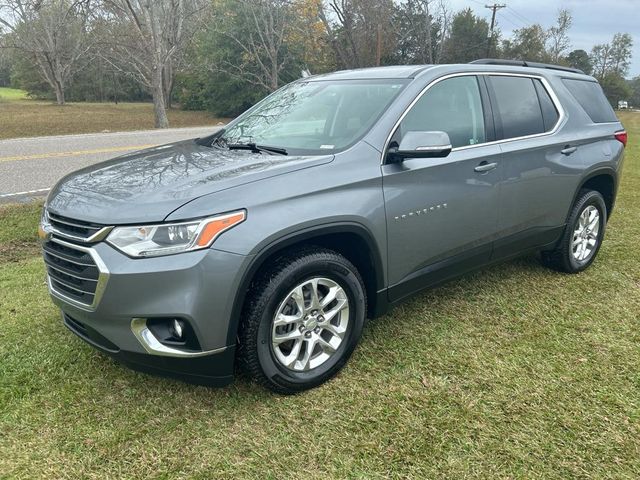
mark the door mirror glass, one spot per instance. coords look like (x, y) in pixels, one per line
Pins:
(421, 145)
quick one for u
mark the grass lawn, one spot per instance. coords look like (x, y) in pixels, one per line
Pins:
(12, 94)
(30, 118)
(514, 372)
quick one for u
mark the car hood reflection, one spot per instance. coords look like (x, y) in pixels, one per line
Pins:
(147, 186)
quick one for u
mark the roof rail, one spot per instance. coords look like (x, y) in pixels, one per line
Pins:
(522, 63)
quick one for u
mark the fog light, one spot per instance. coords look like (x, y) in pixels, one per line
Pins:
(174, 332)
(176, 329)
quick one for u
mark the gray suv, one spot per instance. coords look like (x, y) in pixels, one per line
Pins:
(272, 240)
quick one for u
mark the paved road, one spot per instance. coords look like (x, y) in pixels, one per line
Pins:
(29, 167)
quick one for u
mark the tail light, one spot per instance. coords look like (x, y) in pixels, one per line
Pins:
(622, 137)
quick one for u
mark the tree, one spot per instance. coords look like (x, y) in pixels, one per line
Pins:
(528, 43)
(6, 66)
(52, 34)
(612, 58)
(634, 98)
(422, 26)
(146, 40)
(621, 52)
(257, 31)
(467, 39)
(558, 38)
(580, 59)
(359, 31)
(601, 59)
(307, 40)
(615, 88)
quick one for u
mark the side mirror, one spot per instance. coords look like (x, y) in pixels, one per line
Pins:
(421, 145)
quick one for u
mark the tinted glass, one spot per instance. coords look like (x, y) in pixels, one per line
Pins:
(315, 117)
(591, 97)
(453, 106)
(550, 114)
(518, 106)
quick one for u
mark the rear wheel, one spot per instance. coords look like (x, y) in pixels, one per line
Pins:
(302, 321)
(583, 235)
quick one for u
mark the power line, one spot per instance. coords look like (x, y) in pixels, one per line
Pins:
(494, 8)
(512, 19)
(521, 17)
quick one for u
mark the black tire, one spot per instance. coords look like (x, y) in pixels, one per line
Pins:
(562, 257)
(255, 351)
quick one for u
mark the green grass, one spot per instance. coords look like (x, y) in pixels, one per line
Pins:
(514, 372)
(30, 118)
(12, 94)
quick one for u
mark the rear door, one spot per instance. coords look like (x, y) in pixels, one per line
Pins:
(535, 162)
(442, 212)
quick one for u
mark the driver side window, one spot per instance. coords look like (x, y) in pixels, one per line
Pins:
(453, 106)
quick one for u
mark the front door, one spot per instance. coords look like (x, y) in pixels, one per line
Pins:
(442, 212)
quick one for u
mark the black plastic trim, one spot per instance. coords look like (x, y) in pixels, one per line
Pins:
(211, 370)
(524, 63)
(596, 173)
(290, 240)
(536, 238)
(504, 249)
(487, 109)
(440, 272)
(89, 335)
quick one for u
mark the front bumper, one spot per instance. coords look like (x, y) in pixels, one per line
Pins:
(215, 369)
(198, 287)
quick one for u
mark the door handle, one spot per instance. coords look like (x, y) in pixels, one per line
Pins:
(485, 167)
(568, 150)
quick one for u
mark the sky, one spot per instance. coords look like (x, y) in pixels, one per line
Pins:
(594, 21)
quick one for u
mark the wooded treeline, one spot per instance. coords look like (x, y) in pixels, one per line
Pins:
(223, 55)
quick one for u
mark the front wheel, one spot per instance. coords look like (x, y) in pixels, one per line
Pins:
(583, 235)
(302, 320)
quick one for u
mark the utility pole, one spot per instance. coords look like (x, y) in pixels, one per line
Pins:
(379, 45)
(495, 7)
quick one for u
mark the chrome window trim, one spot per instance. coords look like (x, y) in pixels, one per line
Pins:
(153, 346)
(103, 277)
(562, 116)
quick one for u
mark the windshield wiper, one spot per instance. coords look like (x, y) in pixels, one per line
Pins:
(256, 148)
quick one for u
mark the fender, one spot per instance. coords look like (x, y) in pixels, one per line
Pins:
(292, 239)
(594, 173)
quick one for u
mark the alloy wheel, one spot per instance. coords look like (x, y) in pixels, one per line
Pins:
(310, 324)
(585, 234)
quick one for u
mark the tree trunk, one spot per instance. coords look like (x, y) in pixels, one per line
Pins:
(159, 106)
(167, 82)
(59, 93)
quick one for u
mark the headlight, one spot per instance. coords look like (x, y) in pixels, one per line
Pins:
(170, 238)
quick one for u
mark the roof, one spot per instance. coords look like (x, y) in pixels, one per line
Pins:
(398, 71)
(414, 71)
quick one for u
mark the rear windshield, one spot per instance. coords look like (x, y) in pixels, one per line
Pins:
(591, 98)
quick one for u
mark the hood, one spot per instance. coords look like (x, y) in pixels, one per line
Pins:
(147, 186)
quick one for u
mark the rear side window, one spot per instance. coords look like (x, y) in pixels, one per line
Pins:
(591, 98)
(518, 106)
(550, 114)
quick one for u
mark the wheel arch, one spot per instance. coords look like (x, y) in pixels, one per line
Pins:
(350, 239)
(603, 180)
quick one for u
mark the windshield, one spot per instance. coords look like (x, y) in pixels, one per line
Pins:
(314, 117)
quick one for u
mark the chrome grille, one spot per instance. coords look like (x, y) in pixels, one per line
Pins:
(77, 229)
(75, 272)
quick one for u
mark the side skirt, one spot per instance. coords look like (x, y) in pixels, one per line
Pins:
(514, 246)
